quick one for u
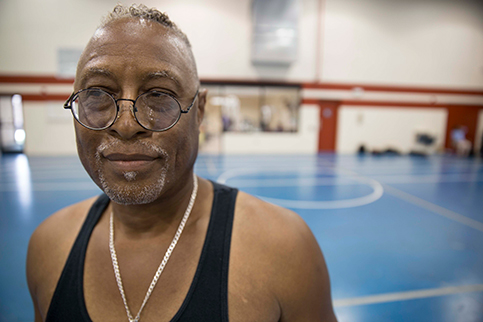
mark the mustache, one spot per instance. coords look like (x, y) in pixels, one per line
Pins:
(138, 147)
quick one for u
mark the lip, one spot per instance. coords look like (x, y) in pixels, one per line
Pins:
(130, 162)
(120, 157)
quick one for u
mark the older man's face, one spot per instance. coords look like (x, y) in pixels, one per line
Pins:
(127, 58)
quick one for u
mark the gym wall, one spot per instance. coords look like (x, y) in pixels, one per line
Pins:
(427, 44)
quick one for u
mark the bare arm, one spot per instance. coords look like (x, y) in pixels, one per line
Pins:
(38, 318)
(304, 286)
(47, 252)
(33, 258)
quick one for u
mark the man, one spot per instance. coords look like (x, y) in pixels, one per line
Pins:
(233, 256)
(459, 142)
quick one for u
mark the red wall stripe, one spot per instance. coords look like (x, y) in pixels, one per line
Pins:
(49, 79)
(402, 104)
(25, 79)
(45, 97)
(384, 88)
(390, 104)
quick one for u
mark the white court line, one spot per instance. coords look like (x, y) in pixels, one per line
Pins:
(409, 295)
(53, 186)
(240, 172)
(211, 167)
(446, 178)
(434, 208)
(36, 177)
(298, 182)
(332, 181)
(376, 194)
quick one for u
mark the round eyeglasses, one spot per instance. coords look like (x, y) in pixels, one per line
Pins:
(96, 109)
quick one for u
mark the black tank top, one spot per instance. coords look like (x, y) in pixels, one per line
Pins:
(207, 298)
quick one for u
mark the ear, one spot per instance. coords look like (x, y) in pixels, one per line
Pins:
(200, 113)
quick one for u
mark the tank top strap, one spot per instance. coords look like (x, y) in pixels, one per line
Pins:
(207, 299)
(69, 293)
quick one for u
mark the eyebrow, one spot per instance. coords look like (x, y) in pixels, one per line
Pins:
(92, 72)
(161, 74)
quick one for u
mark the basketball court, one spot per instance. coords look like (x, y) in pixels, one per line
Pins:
(401, 235)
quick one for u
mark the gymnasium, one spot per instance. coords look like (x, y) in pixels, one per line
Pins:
(363, 116)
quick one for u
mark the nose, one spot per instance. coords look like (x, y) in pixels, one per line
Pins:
(126, 125)
(129, 105)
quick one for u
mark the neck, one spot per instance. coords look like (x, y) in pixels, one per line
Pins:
(155, 218)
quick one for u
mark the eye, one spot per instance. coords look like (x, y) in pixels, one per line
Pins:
(105, 89)
(94, 100)
(94, 94)
(162, 90)
(158, 101)
(155, 94)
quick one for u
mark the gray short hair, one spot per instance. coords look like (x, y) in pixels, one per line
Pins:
(143, 12)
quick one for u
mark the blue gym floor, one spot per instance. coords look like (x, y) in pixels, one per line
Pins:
(402, 236)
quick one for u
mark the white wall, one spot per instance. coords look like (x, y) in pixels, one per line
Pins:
(49, 129)
(381, 128)
(220, 33)
(425, 42)
(31, 31)
(417, 43)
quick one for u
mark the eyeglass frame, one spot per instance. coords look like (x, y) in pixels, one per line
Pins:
(69, 101)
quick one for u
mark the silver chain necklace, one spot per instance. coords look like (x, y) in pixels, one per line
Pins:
(170, 249)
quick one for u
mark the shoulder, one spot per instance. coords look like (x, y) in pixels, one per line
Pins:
(59, 227)
(283, 245)
(61, 223)
(272, 226)
(49, 248)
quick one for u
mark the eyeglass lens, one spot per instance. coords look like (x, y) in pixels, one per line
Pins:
(157, 111)
(96, 109)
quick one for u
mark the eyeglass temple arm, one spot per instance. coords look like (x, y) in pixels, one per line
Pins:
(68, 103)
(192, 103)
